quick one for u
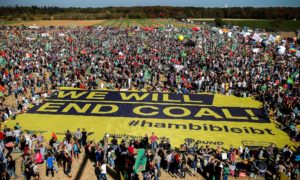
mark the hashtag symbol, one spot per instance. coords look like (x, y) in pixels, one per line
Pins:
(134, 123)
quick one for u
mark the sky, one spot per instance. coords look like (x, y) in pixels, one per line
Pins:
(197, 3)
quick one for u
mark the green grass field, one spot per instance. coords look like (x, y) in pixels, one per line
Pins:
(285, 25)
(122, 23)
(5, 23)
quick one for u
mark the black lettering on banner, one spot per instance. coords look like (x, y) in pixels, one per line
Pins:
(159, 111)
(203, 127)
(205, 142)
(133, 97)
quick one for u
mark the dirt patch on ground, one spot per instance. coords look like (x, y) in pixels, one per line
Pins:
(60, 23)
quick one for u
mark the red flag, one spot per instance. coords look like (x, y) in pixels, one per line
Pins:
(54, 136)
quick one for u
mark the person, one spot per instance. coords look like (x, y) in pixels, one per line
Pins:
(111, 158)
(76, 150)
(16, 134)
(103, 171)
(35, 171)
(225, 172)
(146, 141)
(78, 136)
(2, 138)
(68, 136)
(157, 160)
(39, 157)
(11, 167)
(218, 170)
(153, 139)
(84, 137)
(28, 169)
(98, 156)
(67, 164)
(183, 167)
(114, 142)
(50, 164)
(52, 141)
(131, 150)
(170, 160)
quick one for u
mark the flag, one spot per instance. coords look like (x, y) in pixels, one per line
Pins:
(140, 162)
(48, 46)
(290, 81)
(2, 61)
(147, 75)
(139, 50)
(233, 47)
(54, 136)
(183, 54)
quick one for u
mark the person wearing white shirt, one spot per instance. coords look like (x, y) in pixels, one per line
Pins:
(16, 134)
(103, 172)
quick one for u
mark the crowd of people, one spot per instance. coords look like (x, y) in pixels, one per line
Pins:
(35, 61)
(119, 155)
(212, 163)
(37, 152)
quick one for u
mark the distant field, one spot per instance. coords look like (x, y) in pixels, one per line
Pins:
(127, 23)
(286, 25)
(52, 22)
(122, 23)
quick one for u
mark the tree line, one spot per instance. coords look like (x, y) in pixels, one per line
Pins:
(47, 13)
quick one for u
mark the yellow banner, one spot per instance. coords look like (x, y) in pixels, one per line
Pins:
(221, 120)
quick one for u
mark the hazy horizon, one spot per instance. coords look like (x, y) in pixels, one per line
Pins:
(129, 3)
